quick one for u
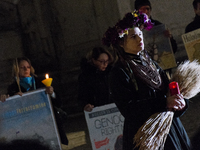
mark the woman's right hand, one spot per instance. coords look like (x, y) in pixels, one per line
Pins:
(3, 97)
(88, 107)
(19, 93)
(175, 102)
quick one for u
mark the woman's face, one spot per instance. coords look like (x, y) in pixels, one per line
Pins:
(133, 42)
(24, 69)
(102, 61)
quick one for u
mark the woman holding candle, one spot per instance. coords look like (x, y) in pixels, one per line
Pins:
(25, 80)
(25, 74)
(93, 80)
(139, 86)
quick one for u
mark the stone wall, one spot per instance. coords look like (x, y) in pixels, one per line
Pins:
(83, 24)
(10, 42)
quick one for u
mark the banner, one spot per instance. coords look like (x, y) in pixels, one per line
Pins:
(105, 125)
(191, 41)
(29, 116)
(159, 47)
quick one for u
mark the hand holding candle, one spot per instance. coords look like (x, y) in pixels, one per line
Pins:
(47, 82)
(177, 102)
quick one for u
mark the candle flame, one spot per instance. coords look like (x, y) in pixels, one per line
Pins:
(47, 76)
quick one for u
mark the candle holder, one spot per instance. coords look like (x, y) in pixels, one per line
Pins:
(47, 82)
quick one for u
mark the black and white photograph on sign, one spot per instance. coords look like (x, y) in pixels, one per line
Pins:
(159, 47)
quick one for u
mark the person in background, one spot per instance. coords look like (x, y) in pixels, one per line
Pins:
(139, 86)
(24, 73)
(26, 80)
(144, 6)
(93, 80)
(195, 24)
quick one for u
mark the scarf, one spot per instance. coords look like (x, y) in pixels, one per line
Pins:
(144, 68)
(28, 83)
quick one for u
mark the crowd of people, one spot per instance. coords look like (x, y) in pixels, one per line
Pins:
(122, 72)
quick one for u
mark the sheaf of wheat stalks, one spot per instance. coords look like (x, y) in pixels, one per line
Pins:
(153, 133)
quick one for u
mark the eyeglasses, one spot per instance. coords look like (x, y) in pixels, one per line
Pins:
(104, 61)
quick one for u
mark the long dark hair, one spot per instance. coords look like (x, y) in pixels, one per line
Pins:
(96, 52)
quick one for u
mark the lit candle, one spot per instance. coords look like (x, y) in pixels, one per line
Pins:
(47, 82)
(174, 88)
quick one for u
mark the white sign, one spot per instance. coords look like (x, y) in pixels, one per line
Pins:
(105, 125)
(191, 41)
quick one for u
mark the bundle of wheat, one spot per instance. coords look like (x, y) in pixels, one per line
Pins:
(187, 75)
(153, 133)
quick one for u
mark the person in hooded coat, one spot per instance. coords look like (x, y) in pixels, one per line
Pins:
(93, 80)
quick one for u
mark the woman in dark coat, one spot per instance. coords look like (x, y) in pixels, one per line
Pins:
(93, 80)
(139, 86)
(24, 73)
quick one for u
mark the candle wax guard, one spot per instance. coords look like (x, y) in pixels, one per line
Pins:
(47, 82)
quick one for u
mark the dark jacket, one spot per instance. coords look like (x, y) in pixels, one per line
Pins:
(195, 24)
(93, 85)
(138, 105)
(13, 89)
